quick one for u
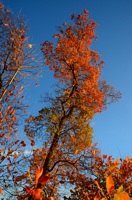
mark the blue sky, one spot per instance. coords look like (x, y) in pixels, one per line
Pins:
(113, 127)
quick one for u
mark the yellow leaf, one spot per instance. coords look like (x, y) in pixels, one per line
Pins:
(109, 184)
(29, 175)
(98, 186)
(30, 46)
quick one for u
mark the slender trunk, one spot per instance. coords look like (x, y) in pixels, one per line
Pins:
(48, 160)
(47, 163)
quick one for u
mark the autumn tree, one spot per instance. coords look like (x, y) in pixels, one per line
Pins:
(105, 177)
(64, 122)
(16, 65)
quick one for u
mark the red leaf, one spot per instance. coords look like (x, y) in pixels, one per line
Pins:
(32, 142)
(28, 190)
(22, 38)
(104, 156)
(97, 197)
(19, 178)
(0, 114)
(17, 141)
(38, 193)
(43, 179)
(23, 143)
(6, 99)
(6, 68)
(85, 11)
(1, 136)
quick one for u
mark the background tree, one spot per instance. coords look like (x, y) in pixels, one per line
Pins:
(64, 123)
(16, 65)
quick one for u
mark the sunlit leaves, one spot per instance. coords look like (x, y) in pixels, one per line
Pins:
(110, 185)
(75, 64)
(38, 173)
(39, 178)
(121, 196)
(37, 192)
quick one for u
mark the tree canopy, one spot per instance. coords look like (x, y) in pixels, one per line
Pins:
(67, 157)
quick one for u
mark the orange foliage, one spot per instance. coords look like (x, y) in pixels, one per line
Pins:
(110, 185)
(38, 173)
(121, 196)
(41, 179)
(66, 120)
(79, 96)
(73, 62)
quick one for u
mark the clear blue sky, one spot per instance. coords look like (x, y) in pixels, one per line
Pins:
(113, 127)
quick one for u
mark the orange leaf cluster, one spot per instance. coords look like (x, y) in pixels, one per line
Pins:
(39, 179)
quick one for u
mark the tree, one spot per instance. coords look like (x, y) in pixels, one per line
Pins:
(16, 64)
(67, 156)
(64, 123)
